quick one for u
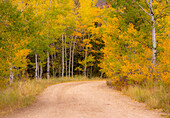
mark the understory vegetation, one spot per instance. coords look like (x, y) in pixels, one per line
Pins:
(155, 96)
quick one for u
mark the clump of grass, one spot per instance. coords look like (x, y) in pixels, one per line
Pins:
(23, 93)
(20, 94)
(156, 96)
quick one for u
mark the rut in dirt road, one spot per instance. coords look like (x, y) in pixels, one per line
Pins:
(84, 100)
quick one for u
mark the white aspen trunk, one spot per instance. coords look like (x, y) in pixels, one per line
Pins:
(36, 68)
(85, 66)
(41, 70)
(59, 70)
(11, 74)
(62, 56)
(131, 58)
(151, 14)
(48, 65)
(101, 76)
(65, 55)
(73, 59)
(135, 55)
(154, 51)
(21, 5)
(55, 70)
(128, 53)
(85, 58)
(53, 66)
(69, 61)
(48, 55)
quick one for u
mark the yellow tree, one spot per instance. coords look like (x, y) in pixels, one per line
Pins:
(14, 38)
(89, 14)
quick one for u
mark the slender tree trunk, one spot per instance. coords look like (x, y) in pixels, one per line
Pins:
(55, 61)
(21, 5)
(69, 61)
(62, 56)
(48, 65)
(128, 53)
(131, 57)
(85, 66)
(53, 66)
(59, 70)
(154, 51)
(151, 14)
(135, 54)
(41, 70)
(36, 68)
(101, 75)
(73, 59)
(65, 55)
(48, 55)
(91, 72)
(11, 74)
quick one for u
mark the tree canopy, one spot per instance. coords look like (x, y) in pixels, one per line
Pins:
(117, 39)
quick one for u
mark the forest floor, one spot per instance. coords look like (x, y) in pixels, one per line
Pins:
(88, 99)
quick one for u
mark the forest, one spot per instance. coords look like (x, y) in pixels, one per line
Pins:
(121, 40)
(125, 41)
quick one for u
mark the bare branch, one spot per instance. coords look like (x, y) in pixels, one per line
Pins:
(143, 19)
(162, 11)
(160, 28)
(147, 2)
(146, 20)
(161, 16)
(143, 9)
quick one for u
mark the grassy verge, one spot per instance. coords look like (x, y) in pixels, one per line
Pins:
(23, 93)
(155, 96)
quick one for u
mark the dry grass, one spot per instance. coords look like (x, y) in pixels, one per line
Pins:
(157, 96)
(23, 93)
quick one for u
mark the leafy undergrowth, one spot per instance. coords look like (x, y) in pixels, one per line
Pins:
(155, 95)
(23, 93)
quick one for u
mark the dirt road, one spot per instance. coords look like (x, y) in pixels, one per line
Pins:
(84, 100)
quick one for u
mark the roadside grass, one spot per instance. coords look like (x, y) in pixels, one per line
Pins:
(156, 96)
(23, 93)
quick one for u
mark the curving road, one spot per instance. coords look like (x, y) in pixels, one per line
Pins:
(84, 100)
